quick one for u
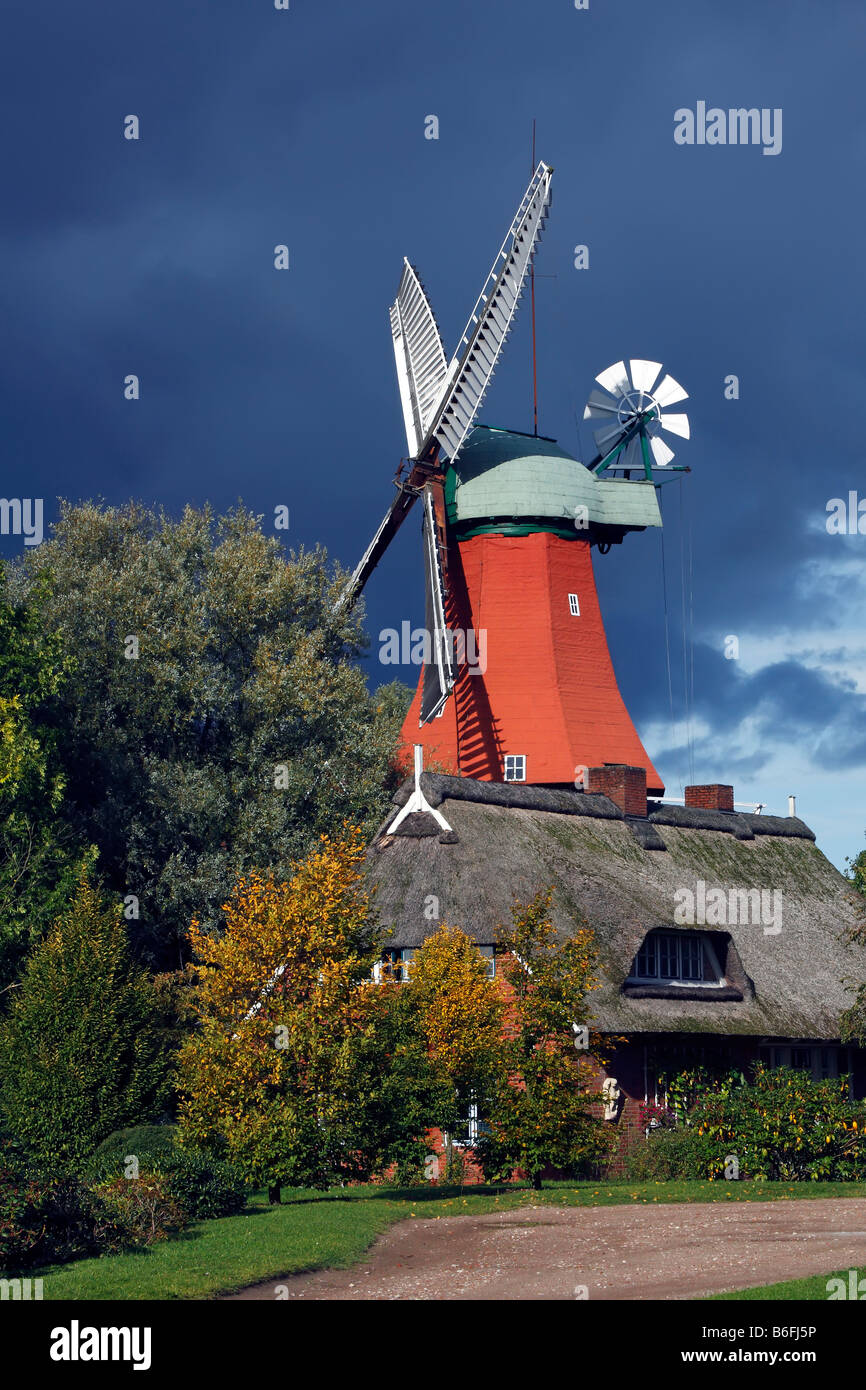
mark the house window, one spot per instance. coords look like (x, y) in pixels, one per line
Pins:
(470, 1126)
(573, 606)
(394, 965)
(515, 767)
(822, 1062)
(677, 957)
(489, 960)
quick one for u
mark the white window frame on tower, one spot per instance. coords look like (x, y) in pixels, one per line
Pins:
(518, 768)
(574, 605)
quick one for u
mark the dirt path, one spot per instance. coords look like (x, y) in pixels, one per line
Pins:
(646, 1252)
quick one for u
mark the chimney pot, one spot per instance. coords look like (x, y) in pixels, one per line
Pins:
(711, 796)
(624, 785)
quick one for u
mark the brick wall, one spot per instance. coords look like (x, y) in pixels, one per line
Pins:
(714, 796)
(626, 786)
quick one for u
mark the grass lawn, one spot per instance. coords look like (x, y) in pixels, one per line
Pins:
(812, 1289)
(315, 1229)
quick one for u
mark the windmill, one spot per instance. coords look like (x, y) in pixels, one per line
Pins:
(508, 523)
(440, 401)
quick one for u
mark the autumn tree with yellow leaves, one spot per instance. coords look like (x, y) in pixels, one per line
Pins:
(300, 1069)
(458, 1012)
(539, 1114)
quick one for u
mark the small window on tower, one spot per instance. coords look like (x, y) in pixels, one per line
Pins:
(573, 606)
(515, 767)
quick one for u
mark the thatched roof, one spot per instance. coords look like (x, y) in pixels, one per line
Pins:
(622, 874)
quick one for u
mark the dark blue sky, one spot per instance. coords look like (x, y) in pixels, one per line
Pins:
(306, 127)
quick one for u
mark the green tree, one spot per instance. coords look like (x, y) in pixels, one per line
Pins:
(37, 859)
(215, 719)
(81, 1053)
(302, 1070)
(539, 1114)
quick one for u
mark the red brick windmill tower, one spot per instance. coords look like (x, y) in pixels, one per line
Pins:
(517, 682)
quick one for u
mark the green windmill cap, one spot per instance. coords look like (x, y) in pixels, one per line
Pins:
(515, 483)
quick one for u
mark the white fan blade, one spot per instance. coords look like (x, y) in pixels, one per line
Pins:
(661, 453)
(599, 405)
(605, 439)
(421, 364)
(643, 374)
(474, 362)
(677, 424)
(669, 392)
(614, 379)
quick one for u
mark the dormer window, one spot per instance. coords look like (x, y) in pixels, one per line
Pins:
(685, 964)
(670, 957)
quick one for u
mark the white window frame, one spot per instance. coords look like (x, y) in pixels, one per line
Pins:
(489, 954)
(517, 759)
(396, 956)
(473, 1129)
(678, 981)
(574, 605)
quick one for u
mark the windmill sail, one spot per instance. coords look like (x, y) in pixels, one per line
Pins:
(388, 528)
(477, 354)
(421, 364)
(441, 400)
(439, 670)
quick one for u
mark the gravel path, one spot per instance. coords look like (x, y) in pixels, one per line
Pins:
(547, 1252)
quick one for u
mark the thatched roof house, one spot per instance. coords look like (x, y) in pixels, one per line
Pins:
(710, 924)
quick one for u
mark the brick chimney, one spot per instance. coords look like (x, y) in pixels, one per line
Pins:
(715, 796)
(626, 786)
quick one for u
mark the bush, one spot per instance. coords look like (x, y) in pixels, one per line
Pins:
(780, 1126)
(199, 1185)
(204, 1187)
(784, 1127)
(144, 1207)
(151, 1145)
(667, 1155)
(46, 1221)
